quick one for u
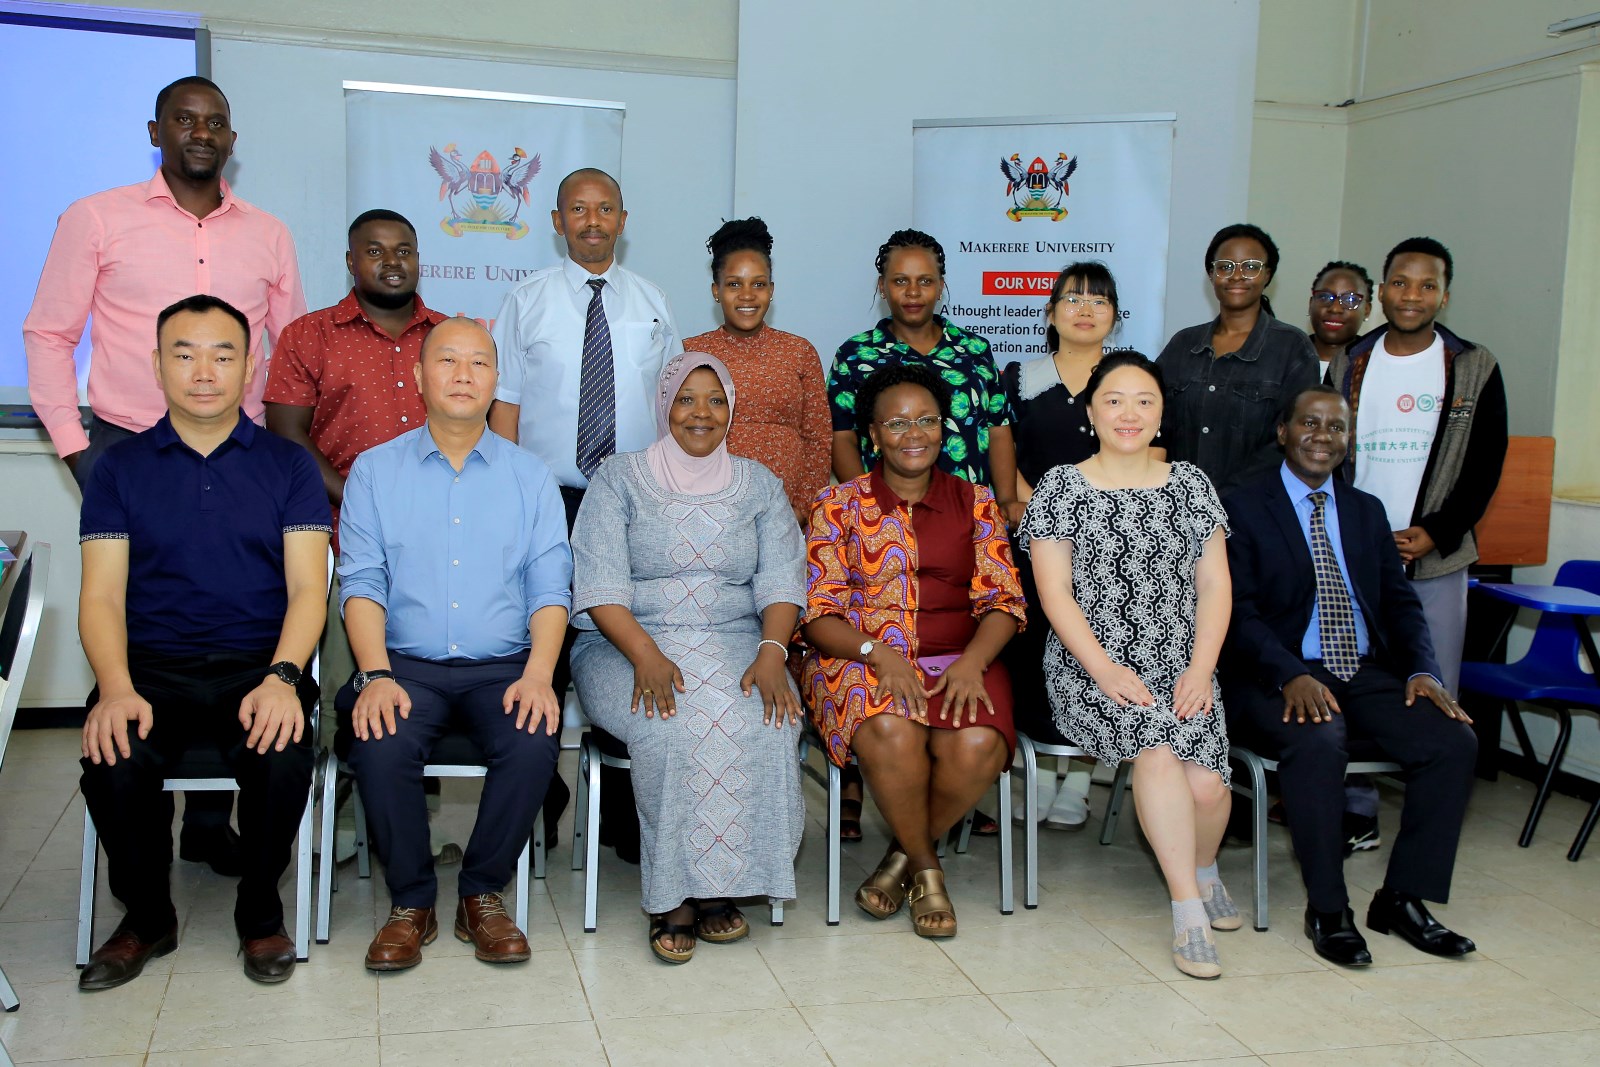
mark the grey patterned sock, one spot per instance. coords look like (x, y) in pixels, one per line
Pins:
(1186, 915)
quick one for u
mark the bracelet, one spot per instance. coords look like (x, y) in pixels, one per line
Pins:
(778, 644)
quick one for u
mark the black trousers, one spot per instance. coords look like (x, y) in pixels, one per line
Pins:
(1437, 753)
(465, 694)
(195, 707)
(201, 810)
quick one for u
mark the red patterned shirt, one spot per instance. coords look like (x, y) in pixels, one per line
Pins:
(358, 379)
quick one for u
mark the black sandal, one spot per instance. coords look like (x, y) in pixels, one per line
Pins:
(849, 824)
(659, 927)
(719, 909)
(983, 825)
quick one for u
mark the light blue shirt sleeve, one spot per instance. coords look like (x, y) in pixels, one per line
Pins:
(363, 567)
(547, 570)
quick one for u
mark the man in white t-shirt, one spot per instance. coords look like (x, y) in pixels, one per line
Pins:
(1428, 432)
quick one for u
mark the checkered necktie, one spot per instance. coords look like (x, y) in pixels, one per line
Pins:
(1335, 618)
(597, 389)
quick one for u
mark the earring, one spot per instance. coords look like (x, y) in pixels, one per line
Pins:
(1091, 429)
(1158, 431)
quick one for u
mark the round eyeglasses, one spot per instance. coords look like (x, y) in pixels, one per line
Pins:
(1248, 268)
(927, 424)
(1097, 305)
(1349, 301)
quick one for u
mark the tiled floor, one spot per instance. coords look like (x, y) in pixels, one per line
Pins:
(1084, 979)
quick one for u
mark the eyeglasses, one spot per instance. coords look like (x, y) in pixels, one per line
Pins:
(1350, 301)
(1248, 268)
(1097, 305)
(927, 424)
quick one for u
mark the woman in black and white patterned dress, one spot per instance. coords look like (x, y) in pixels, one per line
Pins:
(1134, 580)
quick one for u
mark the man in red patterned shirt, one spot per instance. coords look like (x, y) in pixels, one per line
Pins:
(341, 381)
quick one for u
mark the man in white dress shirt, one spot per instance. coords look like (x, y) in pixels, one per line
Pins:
(581, 351)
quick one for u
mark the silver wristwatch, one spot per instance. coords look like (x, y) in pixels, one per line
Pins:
(866, 649)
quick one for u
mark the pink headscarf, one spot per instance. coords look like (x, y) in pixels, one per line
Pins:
(676, 470)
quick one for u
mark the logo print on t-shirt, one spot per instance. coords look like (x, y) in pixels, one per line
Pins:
(1406, 403)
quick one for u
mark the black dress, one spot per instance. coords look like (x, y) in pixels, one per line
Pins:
(1051, 428)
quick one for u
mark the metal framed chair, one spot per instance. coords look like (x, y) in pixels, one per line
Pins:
(1549, 676)
(455, 755)
(204, 770)
(1365, 758)
(1031, 751)
(830, 777)
(586, 824)
(22, 597)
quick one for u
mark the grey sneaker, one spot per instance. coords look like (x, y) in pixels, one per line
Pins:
(1220, 909)
(1195, 954)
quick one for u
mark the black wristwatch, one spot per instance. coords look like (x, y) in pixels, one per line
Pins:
(288, 670)
(363, 679)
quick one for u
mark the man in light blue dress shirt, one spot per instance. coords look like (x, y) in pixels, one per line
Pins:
(456, 583)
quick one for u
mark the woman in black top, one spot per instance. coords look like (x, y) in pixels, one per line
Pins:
(1052, 428)
(1227, 378)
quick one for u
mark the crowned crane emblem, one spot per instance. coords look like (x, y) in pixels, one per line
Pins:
(484, 197)
(1038, 189)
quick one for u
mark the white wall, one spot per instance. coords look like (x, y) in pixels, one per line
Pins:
(677, 151)
(696, 30)
(825, 113)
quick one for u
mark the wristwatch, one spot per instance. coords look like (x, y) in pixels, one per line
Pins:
(363, 679)
(866, 649)
(288, 671)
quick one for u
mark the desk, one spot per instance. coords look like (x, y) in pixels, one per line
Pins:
(1578, 604)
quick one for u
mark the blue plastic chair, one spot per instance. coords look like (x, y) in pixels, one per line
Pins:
(1551, 676)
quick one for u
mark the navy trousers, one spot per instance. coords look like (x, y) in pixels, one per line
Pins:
(1438, 754)
(445, 696)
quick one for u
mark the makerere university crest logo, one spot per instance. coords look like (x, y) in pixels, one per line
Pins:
(484, 198)
(1037, 190)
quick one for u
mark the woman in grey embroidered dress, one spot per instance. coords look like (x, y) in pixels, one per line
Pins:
(1134, 580)
(689, 576)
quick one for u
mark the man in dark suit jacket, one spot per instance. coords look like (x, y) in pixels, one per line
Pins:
(1328, 641)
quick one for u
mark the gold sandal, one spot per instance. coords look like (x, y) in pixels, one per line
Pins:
(927, 897)
(889, 880)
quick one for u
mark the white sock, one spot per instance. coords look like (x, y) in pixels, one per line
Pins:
(1187, 914)
(1206, 876)
(1077, 781)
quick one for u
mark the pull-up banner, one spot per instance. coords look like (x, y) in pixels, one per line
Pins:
(1014, 200)
(476, 173)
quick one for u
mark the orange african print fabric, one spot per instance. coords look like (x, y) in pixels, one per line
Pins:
(781, 417)
(866, 564)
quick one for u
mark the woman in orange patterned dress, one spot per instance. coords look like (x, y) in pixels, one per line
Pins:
(783, 399)
(911, 596)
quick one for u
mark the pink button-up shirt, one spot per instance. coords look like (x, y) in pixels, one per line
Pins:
(122, 256)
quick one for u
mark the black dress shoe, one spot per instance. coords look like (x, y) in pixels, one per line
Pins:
(218, 848)
(1335, 938)
(269, 959)
(1393, 912)
(122, 958)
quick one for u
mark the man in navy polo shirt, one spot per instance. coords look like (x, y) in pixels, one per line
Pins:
(205, 547)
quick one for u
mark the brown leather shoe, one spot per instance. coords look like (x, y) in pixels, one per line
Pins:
(482, 920)
(269, 959)
(122, 958)
(399, 944)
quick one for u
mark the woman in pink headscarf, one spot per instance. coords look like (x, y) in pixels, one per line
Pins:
(689, 577)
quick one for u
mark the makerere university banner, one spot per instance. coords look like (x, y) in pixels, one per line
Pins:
(1015, 200)
(476, 173)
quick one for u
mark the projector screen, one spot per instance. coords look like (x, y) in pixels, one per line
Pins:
(76, 93)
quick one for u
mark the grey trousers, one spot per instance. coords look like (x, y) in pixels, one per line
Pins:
(1444, 605)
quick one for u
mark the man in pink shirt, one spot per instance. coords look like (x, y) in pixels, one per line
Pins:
(122, 256)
